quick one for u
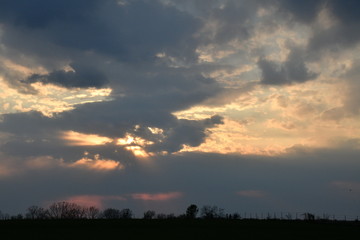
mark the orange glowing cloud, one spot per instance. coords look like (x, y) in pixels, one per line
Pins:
(86, 201)
(92, 200)
(81, 139)
(5, 171)
(45, 162)
(156, 196)
(97, 164)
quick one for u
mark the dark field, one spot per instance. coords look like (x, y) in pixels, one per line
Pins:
(177, 229)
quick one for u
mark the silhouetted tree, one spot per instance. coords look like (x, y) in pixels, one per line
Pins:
(4, 216)
(126, 214)
(17, 217)
(308, 216)
(36, 212)
(111, 213)
(192, 211)
(170, 216)
(161, 216)
(149, 214)
(66, 210)
(92, 212)
(210, 212)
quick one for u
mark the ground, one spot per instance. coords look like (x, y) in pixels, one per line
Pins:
(178, 229)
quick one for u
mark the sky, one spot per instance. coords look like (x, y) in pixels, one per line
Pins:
(249, 105)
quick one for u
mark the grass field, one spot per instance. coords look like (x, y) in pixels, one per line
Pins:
(177, 229)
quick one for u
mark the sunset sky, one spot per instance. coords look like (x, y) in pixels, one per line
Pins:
(250, 105)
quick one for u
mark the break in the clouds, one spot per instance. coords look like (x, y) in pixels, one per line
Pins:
(159, 104)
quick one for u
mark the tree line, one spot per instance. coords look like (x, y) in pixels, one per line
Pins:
(69, 210)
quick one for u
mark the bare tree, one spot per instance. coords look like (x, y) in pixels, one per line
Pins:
(36, 212)
(170, 216)
(288, 216)
(66, 210)
(92, 212)
(308, 216)
(149, 214)
(18, 216)
(210, 212)
(161, 216)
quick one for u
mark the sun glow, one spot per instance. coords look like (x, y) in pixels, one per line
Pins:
(135, 145)
(138, 151)
(81, 139)
(130, 139)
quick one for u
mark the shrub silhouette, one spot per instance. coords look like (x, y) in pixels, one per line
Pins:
(150, 214)
(111, 213)
(192, 211)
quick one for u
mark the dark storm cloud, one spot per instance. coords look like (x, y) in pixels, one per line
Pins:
(41, 13)
(342, 34)
(91, 36)
(293, 70)
(131, 32)
(81, 77)
(186, 132)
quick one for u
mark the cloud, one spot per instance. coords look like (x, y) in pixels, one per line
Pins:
(6, 171)
(156, 196)
(55, 22)
(79, 139)
(305, 12)
(289, 178)
(79, 77)
(98, 201)
(352, 88)
(232, 21)
(97, 164)
(342, 34)
(186, 132)
(348, 185)
(349, 89)
(81, 128)
(293, 70)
